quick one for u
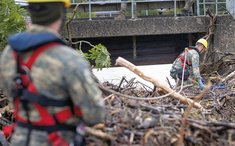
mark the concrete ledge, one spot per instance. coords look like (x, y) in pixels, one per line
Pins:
(142, 26)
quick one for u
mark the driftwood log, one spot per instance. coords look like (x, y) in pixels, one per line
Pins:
(122, 62)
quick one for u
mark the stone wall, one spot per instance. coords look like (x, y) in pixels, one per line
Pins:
(224, 38)
(136, 27)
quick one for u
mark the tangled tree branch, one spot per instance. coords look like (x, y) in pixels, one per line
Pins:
(211, 29)
(67, 24)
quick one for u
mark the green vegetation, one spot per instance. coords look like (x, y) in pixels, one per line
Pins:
(150, 12)
(221, 8)
(11, 20)
(99, 54)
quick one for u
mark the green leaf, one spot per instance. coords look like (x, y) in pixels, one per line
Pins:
(11, 20)
(99, 54)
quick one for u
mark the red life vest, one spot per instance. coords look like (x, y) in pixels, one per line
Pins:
(27, 93)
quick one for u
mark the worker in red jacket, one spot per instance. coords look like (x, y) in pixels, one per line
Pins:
(51, 85)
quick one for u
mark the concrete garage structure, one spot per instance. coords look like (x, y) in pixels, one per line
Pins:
(144, 41)
(150, 40)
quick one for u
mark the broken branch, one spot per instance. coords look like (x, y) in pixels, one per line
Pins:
(122, 62)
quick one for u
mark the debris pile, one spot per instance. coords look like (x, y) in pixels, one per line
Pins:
(163, 120)
(139, 115)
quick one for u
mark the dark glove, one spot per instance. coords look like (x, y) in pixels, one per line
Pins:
(79, 139)
(200, 84)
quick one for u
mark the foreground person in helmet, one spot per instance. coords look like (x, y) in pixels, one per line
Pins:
(51, 85)
(187, 63)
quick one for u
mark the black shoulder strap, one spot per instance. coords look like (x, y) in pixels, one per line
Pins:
(194, 48)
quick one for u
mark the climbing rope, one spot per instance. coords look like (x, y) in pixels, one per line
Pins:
(182, 78)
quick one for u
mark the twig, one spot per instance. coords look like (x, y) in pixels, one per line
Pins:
(211, 123)
(99, 133)
(111, 95)
(120, 84)
(187, 112)
(211, 29)
(226, 94)
(134, 97)
(169, 82)
(147, 135)
(228, 76)
(69, 21)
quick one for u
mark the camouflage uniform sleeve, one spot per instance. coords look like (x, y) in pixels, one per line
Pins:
(1, 68)
(84, 90)
(6, 71)
(195, 65)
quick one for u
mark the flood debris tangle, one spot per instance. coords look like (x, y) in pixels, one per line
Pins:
(139, 115)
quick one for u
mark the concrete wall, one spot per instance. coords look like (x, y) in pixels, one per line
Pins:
(143, 26)
(224, 38)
